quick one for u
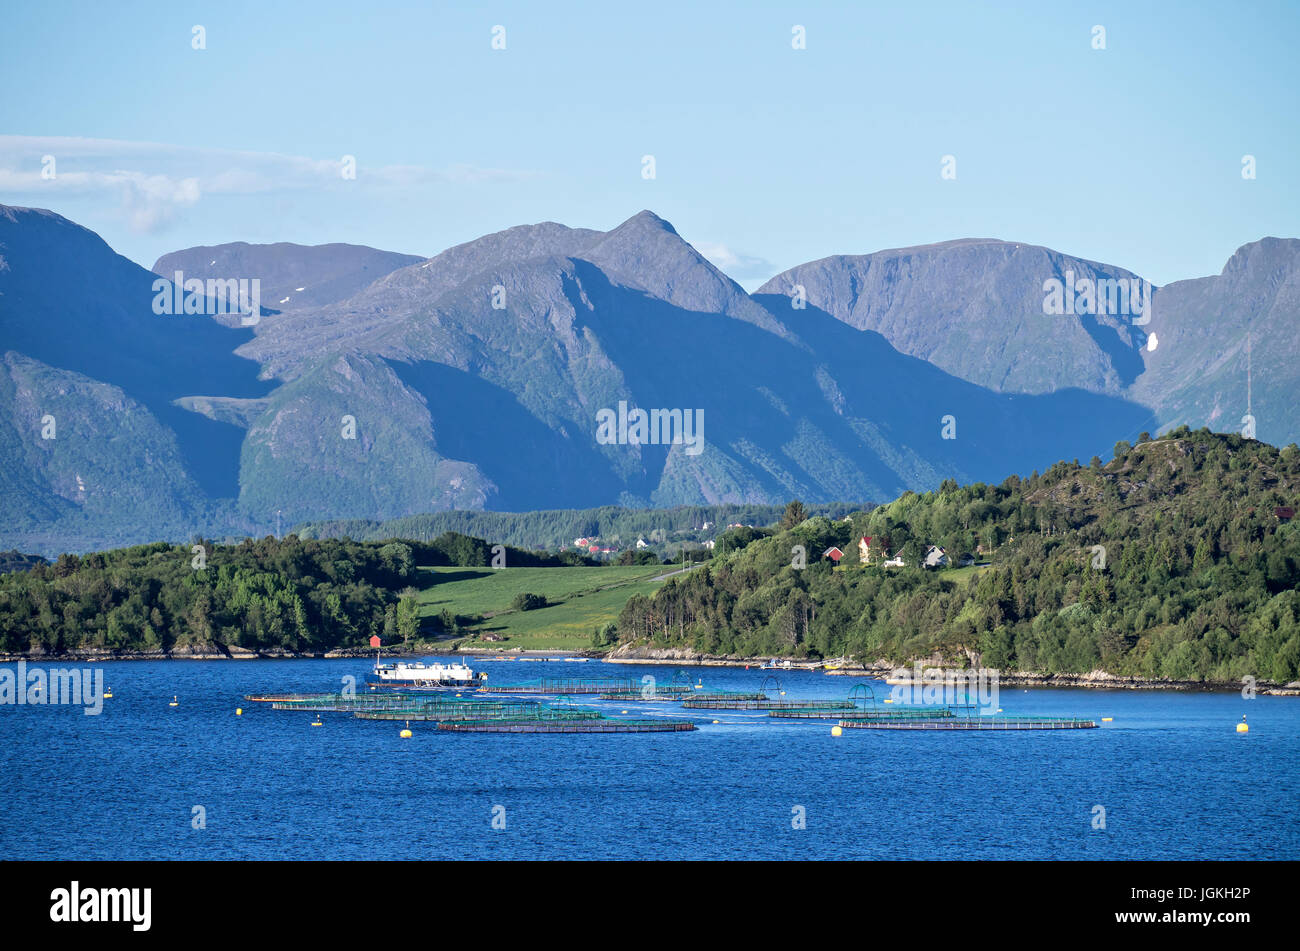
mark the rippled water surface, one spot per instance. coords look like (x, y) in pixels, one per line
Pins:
(1174, 777)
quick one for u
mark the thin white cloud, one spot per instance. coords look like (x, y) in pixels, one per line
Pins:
(154, 181)
(735, 264)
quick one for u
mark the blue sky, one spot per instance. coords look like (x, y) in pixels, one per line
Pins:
(765, 156)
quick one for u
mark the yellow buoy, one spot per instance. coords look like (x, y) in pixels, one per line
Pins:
(625, 711)
(108, 695)
(715, 721)
(1242, 726)
(837, 730)
(239, 711)
(405, 734)
(889, 700)
(174, 702)
(1107, 719)
(316, 723)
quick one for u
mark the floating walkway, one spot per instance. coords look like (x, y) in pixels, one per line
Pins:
(968, 723)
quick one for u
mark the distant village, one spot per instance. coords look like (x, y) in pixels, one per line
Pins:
(659, 541)
(871, 550)
(876, 551)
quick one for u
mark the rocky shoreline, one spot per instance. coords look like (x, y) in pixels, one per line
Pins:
(629, 654)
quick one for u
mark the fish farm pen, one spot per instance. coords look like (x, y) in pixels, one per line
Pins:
(338, 703)
(461, 710)
(665, 692)
(470, 715)
(847, 712)
(969, 723)
(562, 685)
(326, 702)
(751, 701)
(509, 708)
(566, 725)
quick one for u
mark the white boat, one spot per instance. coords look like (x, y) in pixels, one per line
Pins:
(420, 674)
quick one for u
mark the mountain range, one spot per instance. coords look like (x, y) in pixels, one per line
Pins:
(377, 385)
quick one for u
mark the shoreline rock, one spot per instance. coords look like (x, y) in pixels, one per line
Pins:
(1097, 679)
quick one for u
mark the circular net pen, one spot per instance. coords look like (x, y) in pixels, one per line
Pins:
(462, 710)
(340, 703)
(667, 693)
(847, 711)
(566, 724)
(729, 700)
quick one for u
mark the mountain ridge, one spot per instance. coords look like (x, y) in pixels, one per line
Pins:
(471, 379)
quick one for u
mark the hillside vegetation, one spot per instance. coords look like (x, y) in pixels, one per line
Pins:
(1195, 577)
(286, 595)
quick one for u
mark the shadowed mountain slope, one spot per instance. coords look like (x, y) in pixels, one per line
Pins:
(475, 379)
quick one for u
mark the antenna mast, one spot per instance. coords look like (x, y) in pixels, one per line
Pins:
(1248, 410)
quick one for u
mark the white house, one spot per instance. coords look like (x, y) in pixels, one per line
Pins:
(935, 557)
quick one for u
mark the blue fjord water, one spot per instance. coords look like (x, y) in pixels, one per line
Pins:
(1174, 777)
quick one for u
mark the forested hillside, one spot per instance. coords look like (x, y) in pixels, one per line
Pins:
(291, 595)
(1178, 559)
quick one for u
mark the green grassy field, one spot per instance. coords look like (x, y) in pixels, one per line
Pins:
(583, 599)
(964, 575)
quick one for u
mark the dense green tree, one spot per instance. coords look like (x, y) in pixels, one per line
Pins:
(795, 514)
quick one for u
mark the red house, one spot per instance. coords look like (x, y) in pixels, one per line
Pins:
(834, 554)
(869, 550)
